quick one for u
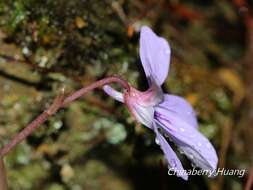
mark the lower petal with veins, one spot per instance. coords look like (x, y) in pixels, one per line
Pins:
(170, 155)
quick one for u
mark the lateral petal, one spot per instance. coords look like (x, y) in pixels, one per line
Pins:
(176, 105)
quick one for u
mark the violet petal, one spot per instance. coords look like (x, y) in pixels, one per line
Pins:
(189, 141)
(176, 105)
(155, 55)
(170, 155)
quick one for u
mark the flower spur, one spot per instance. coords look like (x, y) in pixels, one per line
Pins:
(169, 116)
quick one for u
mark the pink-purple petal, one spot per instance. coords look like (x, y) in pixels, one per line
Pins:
(151, 97)
(170, 155)
(155, 55)
(189, 141)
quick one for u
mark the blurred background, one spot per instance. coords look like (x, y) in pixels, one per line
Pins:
(94, 143)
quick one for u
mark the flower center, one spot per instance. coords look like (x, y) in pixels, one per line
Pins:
(141, 104)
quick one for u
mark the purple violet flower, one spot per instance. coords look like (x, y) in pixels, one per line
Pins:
(169, 116)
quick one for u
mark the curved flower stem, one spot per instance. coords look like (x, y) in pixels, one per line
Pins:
(100, 83)
(3, 179)
(58, 103)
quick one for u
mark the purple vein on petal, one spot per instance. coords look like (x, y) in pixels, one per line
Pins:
(189, 141)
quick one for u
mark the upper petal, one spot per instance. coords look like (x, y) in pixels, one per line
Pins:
(155, 55)
(176, 105)
(170, 155)
(191, 142)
